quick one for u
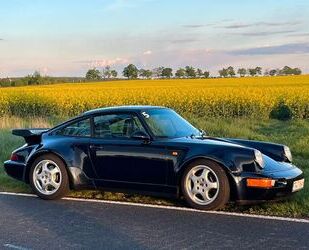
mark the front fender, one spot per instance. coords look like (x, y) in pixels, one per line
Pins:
(233, 160)
(272, 150)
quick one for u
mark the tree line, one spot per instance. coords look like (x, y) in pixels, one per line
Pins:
(132, 72)
(37, 79)
(258, 71)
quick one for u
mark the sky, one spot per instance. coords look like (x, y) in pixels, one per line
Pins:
(67, 37)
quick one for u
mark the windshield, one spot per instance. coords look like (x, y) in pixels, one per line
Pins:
(167, 123)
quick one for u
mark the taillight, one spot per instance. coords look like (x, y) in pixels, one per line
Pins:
(14, 157)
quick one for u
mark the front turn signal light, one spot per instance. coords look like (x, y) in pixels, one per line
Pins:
(260, 182)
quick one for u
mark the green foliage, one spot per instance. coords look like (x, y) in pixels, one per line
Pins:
(157, 72)
(93, 74)
(286, 70)
(231, 71)
(145, 73)
(167, 72)
(180, 73)
(242, 72)
(106, 72)
(206, 74)
(223, 72)
(281, 111)
(131, 71)
(190, 72)
(199, 73)
(114, 73)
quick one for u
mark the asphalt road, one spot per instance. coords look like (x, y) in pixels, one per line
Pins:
(31, 223)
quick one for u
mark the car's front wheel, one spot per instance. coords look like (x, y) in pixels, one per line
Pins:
(205, 185)
(49, 178)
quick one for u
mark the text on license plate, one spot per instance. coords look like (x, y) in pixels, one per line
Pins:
(297, 185)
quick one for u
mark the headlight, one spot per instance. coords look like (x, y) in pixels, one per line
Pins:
(259, 158)
(287, 153)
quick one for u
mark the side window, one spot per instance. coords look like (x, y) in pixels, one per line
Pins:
(80, 128)
(116, 126)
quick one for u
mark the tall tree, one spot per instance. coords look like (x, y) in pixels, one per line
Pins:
(180, 73)
(130, 71)
(114, 73)
(190, 72)
(157, 72)
(252, 72)
(242, 72)
(231, 71)
(93, 74)
(206, 74)
(258, 70)
(297, 71)
(106, 72)
(223, 72)
(167, 72)
(273, 72)
(199, 73)
(145, 73)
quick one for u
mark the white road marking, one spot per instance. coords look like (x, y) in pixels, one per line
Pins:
(266, 217)
(15, 247)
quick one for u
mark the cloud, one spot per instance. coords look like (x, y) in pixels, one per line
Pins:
(104, 62)
(237, 26)
(147, 52)
(265, 33)
(265, 24)
(193, 26)
(176, 41)
(1, 39)
(299, 34)
(291, 48)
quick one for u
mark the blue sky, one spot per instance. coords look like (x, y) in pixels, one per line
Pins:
(66, 37)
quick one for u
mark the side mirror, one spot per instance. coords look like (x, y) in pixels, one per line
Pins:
(140, 135)
(203, 133)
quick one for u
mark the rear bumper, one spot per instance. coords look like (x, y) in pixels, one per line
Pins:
(15, 169)
(283, 186)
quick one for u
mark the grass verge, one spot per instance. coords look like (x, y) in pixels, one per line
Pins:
(293, 133)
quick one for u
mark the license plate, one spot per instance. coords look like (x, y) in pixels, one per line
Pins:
(297, 185)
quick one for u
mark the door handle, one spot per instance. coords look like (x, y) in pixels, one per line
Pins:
(96, 147)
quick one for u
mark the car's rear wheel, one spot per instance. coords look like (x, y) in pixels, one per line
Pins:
(49, 178)
(205, 185)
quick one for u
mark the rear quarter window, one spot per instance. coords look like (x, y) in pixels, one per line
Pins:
(79, 128)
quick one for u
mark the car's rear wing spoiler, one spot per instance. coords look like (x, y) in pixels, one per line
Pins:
(32, 135)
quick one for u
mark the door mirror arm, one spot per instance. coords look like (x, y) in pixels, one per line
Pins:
(142, 136)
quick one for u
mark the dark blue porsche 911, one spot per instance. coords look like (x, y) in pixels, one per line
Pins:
(151, 150)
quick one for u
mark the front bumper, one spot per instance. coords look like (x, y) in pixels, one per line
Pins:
(283, 185)
(15, 169)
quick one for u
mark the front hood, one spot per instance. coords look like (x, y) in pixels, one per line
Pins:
(206, 141)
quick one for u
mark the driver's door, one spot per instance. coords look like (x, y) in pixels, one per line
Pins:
(119, 159)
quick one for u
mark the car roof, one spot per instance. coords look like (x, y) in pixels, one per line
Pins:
(133, 108)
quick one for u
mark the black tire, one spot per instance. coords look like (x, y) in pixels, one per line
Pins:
(64, 184)
(223, 194)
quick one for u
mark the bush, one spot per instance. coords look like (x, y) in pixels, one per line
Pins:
(281, 111)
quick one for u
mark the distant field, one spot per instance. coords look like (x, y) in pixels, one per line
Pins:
(235, 97)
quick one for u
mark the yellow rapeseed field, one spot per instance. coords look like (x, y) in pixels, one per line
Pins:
(235, 97)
